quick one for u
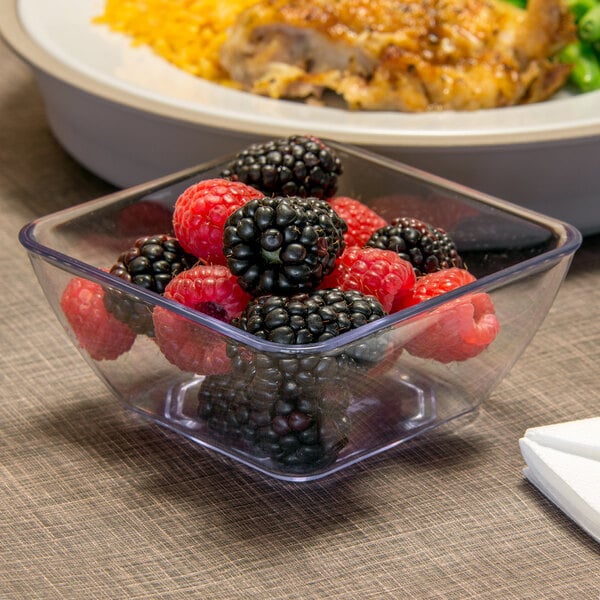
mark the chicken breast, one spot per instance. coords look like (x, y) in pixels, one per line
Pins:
(400, 54)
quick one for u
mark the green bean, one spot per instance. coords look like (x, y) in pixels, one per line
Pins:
(586, 66)
(518, 3)
(579, 7)
(588, 27)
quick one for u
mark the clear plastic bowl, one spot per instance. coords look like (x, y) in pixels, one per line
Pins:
(518, 256)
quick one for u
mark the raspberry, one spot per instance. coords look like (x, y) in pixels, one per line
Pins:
(98, 332)
(361, 220)
(436, 283)
(380, 273)
(461, 330)
(200, 214)
(209, 289)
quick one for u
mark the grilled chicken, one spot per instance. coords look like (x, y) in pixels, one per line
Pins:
(400, 54)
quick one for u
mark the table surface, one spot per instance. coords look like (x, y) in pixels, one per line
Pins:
(97, 504)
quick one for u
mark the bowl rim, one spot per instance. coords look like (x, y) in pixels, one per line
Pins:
(30, 50)
(568, 240)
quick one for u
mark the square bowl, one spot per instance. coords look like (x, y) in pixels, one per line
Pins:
(341, 409)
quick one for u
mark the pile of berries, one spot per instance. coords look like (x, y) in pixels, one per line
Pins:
(269, 248)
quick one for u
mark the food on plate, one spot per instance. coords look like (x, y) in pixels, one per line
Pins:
(588, 24)
(370, 54)
(586, 65)
(407, 56)
(187, 33)
(584, 53)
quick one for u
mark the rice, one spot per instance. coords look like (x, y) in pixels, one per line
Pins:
(187, 33)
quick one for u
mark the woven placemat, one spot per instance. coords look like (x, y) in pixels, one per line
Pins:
(95, 503)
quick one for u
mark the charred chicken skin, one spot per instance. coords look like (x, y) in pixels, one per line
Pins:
(401, 55)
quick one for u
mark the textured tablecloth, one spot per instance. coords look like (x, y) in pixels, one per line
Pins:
(95, 503)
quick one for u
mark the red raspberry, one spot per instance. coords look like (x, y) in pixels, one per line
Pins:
(96, 330)
(380, 273)
(436, 283)
(361, 220)
(200, 214)
(460, 329)
(212, 290)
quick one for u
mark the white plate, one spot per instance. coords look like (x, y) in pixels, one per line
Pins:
(64, 29)
(129, 116)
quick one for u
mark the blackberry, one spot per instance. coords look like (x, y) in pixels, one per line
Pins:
(292, 166)
(290, 410)
(150, 263)
(317, 316)
(282, 245)
(426, 247)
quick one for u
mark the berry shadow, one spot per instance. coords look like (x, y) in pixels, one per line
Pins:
(188, 479)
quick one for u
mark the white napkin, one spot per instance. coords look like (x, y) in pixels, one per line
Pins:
(563, 462)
